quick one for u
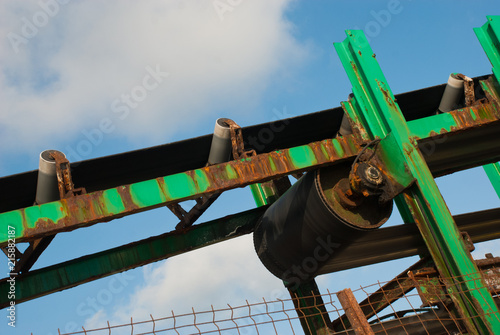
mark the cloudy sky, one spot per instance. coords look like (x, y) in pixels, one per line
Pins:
(93, 78)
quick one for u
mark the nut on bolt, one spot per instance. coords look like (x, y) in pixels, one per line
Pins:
(373, 175)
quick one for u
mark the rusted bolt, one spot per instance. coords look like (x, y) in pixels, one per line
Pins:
(373, 175)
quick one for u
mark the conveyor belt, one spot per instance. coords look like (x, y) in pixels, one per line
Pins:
(18, 191)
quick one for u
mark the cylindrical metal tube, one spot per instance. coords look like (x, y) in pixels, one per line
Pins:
(452, 94)
(345, 126)
(221, 143)
(307, 225)
(47, 189)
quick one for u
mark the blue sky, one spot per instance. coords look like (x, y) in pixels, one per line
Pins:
(256, 62)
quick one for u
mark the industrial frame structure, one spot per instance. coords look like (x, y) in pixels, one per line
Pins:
(400, 126)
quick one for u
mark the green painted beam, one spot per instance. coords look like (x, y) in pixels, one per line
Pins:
(69, 274)
(461, 119)
(493, 173)
(310, 308)
(488, 35)
(80, 211)
(377, 115)
(84, 210)
(261, 196)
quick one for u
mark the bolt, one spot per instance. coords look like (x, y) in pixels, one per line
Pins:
(373, 175)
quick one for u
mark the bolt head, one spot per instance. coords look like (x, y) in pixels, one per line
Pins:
(373, 175)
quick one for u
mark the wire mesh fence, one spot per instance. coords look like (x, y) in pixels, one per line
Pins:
(416, 302)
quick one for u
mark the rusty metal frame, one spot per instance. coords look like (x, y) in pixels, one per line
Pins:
(353, 312)
(69, 274)
(68, 214)
(374, 114)
(379, 118)
(383, 297)
(87, 209)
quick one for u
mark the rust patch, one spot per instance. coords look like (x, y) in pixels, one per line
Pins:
(42, 227)
(124, 192)
(162, 185)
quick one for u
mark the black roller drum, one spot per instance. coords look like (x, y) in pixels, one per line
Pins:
(307, 225)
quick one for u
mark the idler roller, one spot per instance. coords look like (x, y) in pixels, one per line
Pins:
(47, 189)
(316, 217)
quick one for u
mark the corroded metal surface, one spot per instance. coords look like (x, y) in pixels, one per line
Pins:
(354, 313)
(380, 117)
(81, 270)
(87, 209)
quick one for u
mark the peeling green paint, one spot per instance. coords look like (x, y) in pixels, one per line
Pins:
(271, 163)
(302, 157)
(338, 148)
(231, 172)
(147, 193)
(201, 179)
(113, 201)
(12, 219)
(50, 211)
(179, 186)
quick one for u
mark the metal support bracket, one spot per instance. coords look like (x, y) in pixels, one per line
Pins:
(237, 141)
(66, 190)
(376, 114)
(488, 35)
(188, 218)
(64, 181)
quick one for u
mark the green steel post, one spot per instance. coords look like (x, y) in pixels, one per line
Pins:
(377, 115)
(263, 195)
(489, 35)
(311, 309)
(493, 173)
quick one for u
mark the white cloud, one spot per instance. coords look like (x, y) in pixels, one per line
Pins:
(228, 272)
(91, 52)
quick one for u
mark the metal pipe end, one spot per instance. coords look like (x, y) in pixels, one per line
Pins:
(452, 93)
(47, 163)
(220, 148)
(222, 128)
(47, 189)
(455, 81)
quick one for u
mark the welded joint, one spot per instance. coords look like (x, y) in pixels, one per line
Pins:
(202, 203)
(237, 141)
(470, 98)
(64, 179)
(178, 211)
